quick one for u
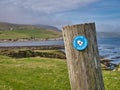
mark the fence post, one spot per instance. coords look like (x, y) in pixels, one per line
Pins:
(83, 64)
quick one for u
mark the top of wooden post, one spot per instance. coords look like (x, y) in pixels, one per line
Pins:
(79, 25)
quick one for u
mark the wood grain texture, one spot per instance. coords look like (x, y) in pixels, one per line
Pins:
(83, 66)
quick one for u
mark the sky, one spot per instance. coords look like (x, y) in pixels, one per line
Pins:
(59, 13)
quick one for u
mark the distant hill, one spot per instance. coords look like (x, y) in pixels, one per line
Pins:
(9, 31)
(108, 34)
(10, 26)
(49, 27)
(16, 32)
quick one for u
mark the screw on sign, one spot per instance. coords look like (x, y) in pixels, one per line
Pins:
(80, 42)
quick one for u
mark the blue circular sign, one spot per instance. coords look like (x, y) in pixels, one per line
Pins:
(80, 42)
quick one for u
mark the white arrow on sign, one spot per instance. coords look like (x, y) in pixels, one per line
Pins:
(80, 42)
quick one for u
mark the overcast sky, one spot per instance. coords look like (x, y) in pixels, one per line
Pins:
(105, 13)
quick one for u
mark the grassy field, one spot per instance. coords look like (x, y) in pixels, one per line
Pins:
(112, 80)
(29, 33)
(33, 74)
(38, 73)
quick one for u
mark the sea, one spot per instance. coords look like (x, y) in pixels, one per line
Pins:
(109, 48)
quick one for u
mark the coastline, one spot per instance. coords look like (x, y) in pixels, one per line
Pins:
(103, 59)
(34, 47)
(30, 49)
(30, 39)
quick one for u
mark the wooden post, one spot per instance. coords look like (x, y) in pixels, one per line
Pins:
(83, 66)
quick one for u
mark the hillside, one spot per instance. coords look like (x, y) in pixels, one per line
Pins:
(14, 32)
(48, 27)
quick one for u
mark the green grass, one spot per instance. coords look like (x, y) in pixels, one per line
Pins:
(112, 80)
(29, 33)
(33, 74)
(43, 74)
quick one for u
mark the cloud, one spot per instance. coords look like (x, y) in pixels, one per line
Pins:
(38, 11)
(48, 6)
(62, 12)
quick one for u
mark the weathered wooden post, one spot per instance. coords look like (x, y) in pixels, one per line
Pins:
(82, 57)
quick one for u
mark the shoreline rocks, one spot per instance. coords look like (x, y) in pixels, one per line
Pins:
(29, 39)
